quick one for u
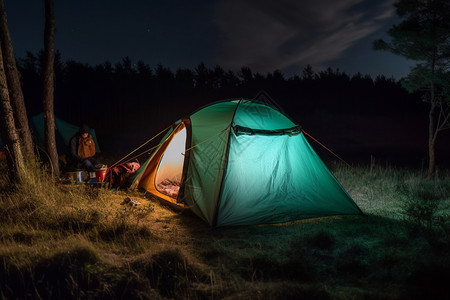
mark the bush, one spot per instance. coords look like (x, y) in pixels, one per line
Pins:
(64, 275)
(421, 201)
(169, 273)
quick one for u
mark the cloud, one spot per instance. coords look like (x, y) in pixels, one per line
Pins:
(266, 35)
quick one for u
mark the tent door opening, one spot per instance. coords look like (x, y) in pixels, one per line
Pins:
(170, 169)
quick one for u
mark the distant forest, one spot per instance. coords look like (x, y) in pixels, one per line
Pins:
(126, 95)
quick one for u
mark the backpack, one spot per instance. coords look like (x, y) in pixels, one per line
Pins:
(86, 147)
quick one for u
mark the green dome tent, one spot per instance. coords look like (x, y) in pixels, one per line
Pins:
(240, 162)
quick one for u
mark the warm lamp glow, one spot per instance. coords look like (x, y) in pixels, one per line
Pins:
(168, 175)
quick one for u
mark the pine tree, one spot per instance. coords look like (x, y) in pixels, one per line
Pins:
(424, 36)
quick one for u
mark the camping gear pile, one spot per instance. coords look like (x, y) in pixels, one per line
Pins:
(99, 174)
(118, 175)
(77, 176)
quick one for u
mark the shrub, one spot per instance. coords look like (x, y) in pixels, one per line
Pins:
(64, 275)
(421, 201)
(169, 273)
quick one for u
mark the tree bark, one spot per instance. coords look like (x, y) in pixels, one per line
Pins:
(15, 161)
(431, 125)
(49, 75)
(14, 85)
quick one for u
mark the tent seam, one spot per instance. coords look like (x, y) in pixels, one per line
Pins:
(225, 167)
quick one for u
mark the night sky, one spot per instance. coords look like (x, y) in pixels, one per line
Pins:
(260, 34)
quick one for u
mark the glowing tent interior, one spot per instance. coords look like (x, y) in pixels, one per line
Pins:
(240, 162)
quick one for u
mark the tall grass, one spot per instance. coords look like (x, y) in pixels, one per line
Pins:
(71, 241)
(52, 234)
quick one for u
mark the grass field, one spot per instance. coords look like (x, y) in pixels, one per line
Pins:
(72, 241)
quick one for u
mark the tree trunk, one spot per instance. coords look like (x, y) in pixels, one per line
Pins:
(431, 159)
(432, 134)
(15, 161)
(15, 89)
(49, 74)
(432, 130)
(431, 140)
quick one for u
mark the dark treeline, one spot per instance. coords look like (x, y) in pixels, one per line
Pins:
(125, 96)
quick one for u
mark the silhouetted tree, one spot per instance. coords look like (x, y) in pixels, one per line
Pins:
(185, 79)
(49, 89)
(202, 78)
(246, 75)
(217, 77)
(15, 89)
(31, 83)
(308, 73)
(230, 84)
(424, 36)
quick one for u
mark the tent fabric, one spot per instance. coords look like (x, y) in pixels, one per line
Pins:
(138, 177)
(64, 131)
(283, 182)
(248, 163)
(207, 160)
